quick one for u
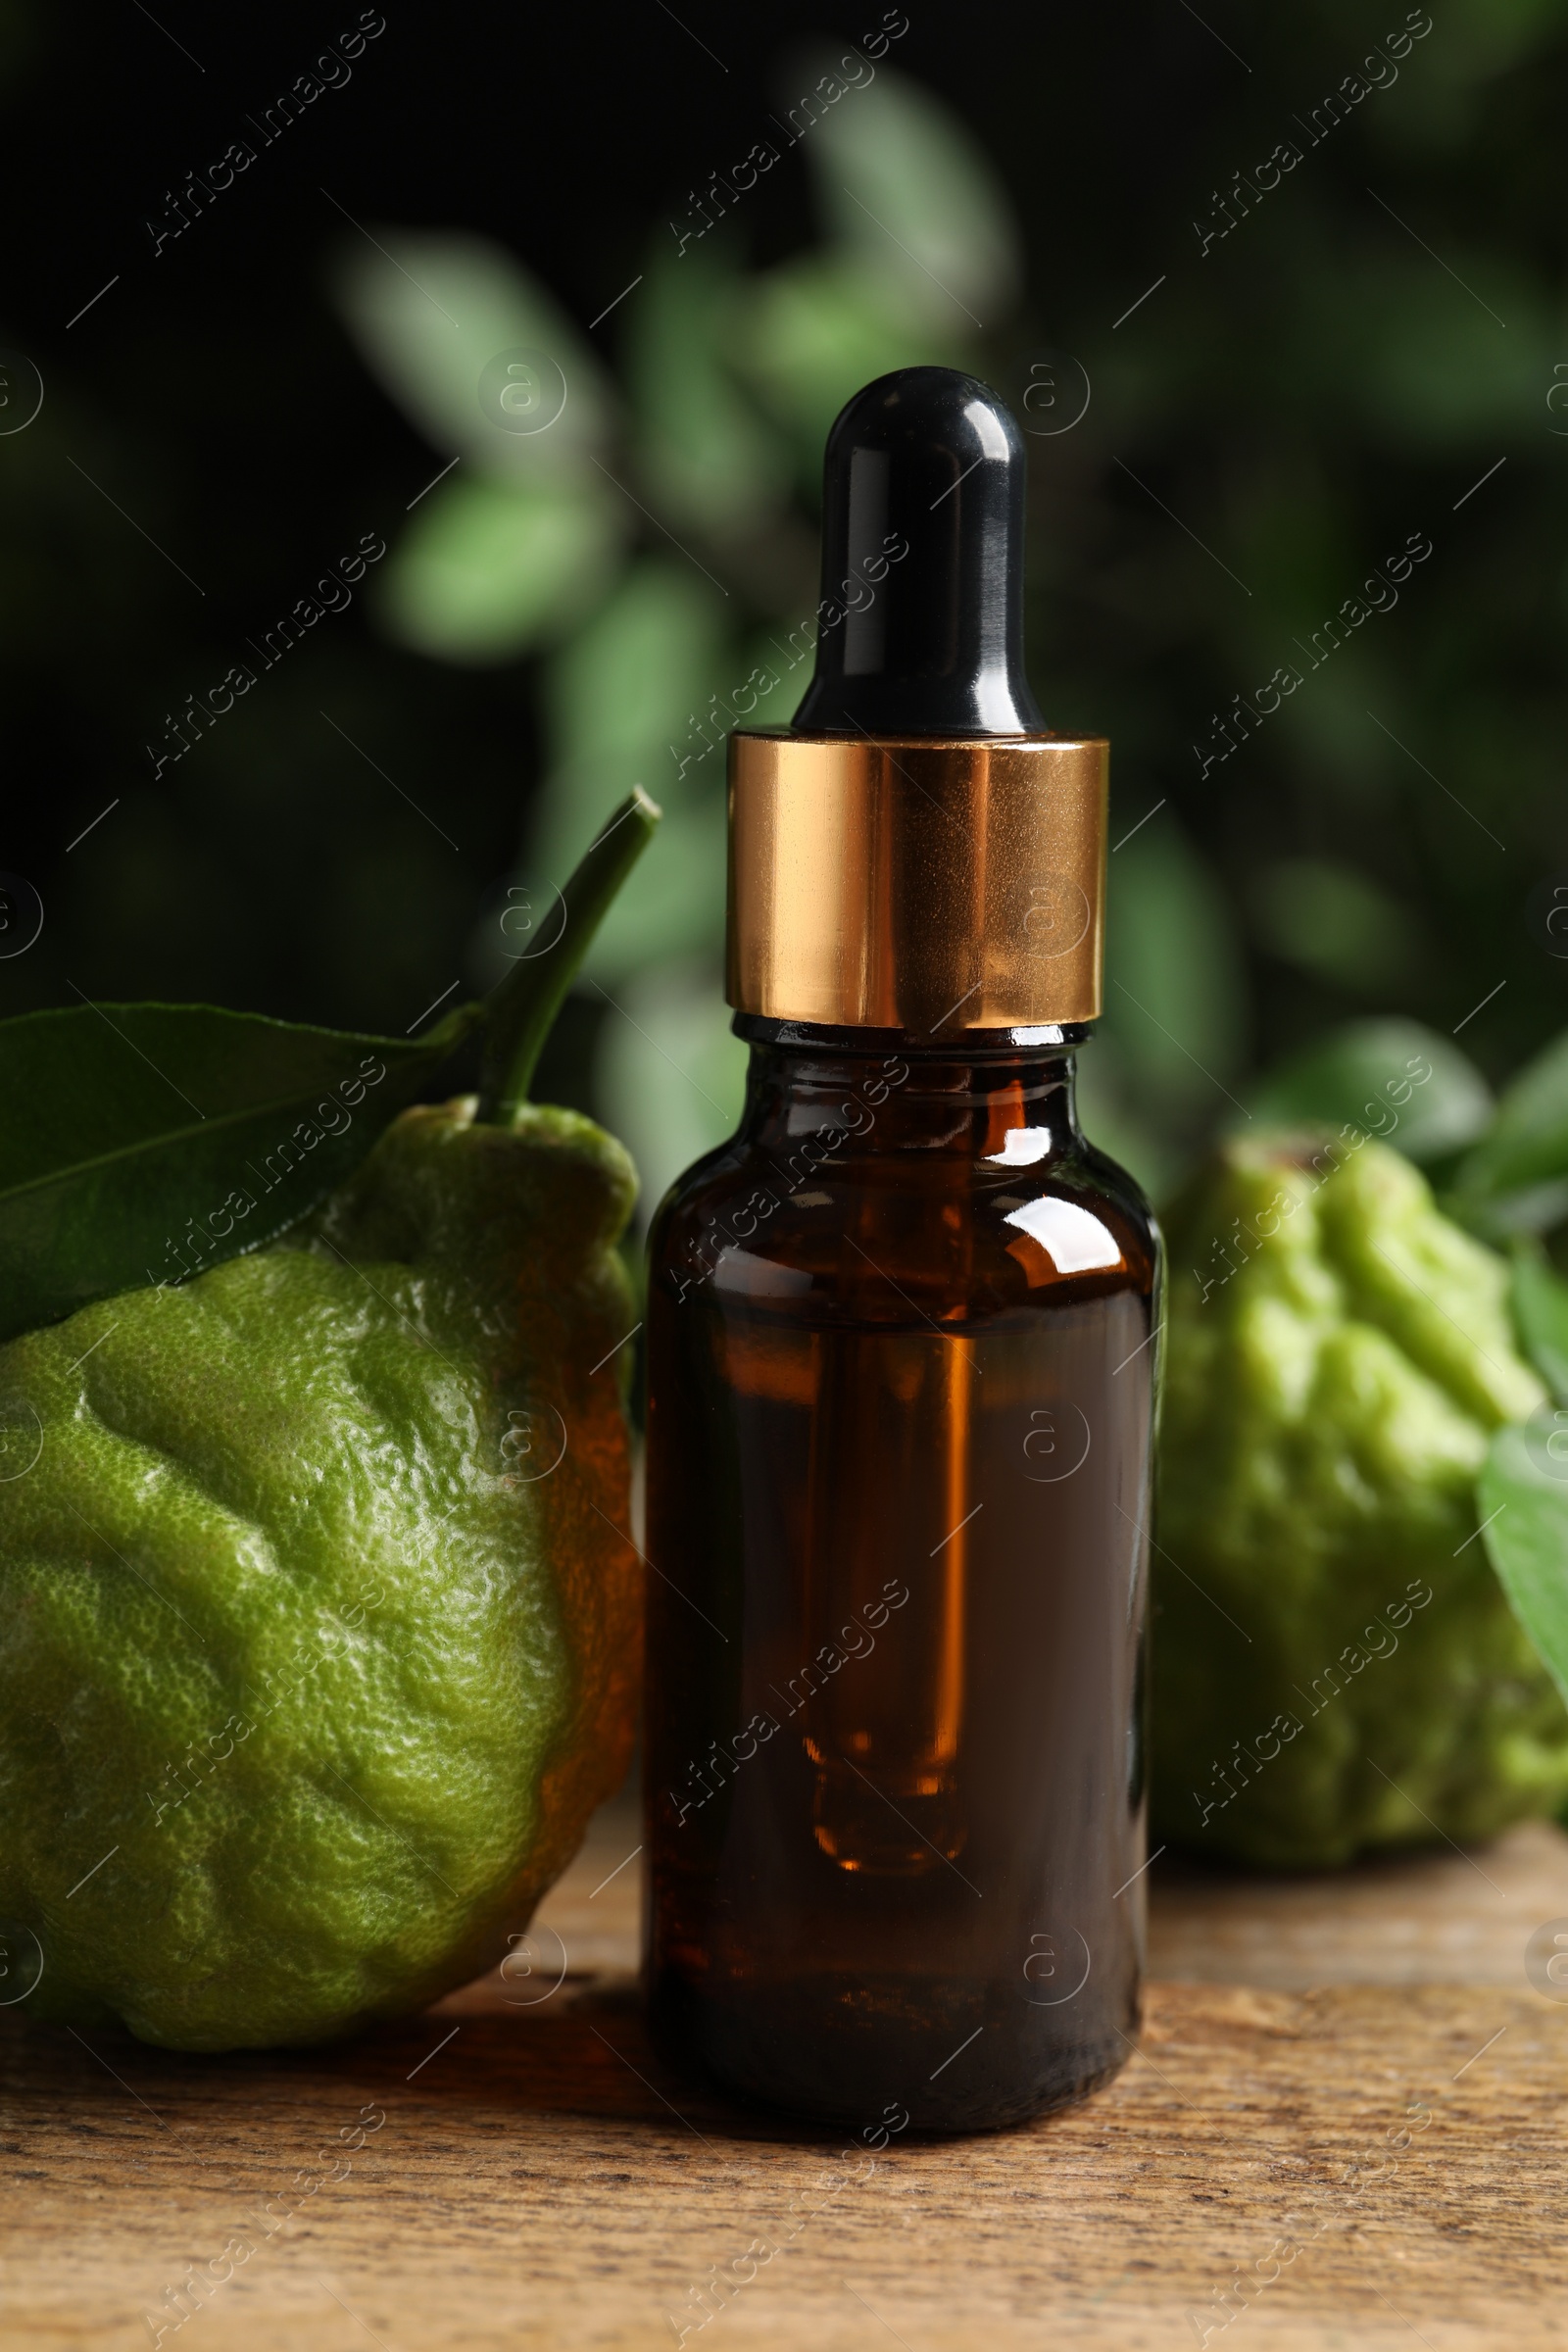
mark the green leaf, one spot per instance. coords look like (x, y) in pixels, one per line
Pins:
(622, 699)
(1519, 1169)
(1425, 373)
(1539, 1296)
(486, 570)
(1329, 919)
(814, 330)
(626, 686)
(675, 903)
(673, 906)
(711, 460)
(430, 312)
(160, 1139)
(1175, 981)
(909, 193)
(670, 1072)
(1115, 1112)
(780, 671)
(1521, 1501)
(1367, 1074)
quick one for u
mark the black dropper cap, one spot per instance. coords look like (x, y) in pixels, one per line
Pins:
(928, 462)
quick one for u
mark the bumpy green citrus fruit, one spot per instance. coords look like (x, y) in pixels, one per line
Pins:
(317, 1634)
(1335, 1666)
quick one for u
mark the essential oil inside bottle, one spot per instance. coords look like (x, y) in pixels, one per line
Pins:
(898, 1449)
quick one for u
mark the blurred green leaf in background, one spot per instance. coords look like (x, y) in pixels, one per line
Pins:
(602, 520)
(655, 543)
(1390, 1078)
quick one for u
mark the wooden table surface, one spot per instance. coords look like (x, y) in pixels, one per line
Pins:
(1344, 2127)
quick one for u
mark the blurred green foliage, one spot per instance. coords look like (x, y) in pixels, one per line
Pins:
(651, 543)
(1272, 413)
(653, 547)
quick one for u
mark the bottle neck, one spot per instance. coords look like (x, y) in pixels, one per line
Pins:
(1005, 1096)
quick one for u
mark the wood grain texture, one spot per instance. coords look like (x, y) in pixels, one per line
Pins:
(1441, 1918)
(1382, 2160)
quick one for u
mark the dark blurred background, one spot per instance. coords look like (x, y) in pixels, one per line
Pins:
(1306, 266)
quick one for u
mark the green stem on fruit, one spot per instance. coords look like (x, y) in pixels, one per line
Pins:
(522, 1010)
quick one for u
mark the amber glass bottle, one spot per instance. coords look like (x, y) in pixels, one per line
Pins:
(902, 1334)
(899, 1446)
